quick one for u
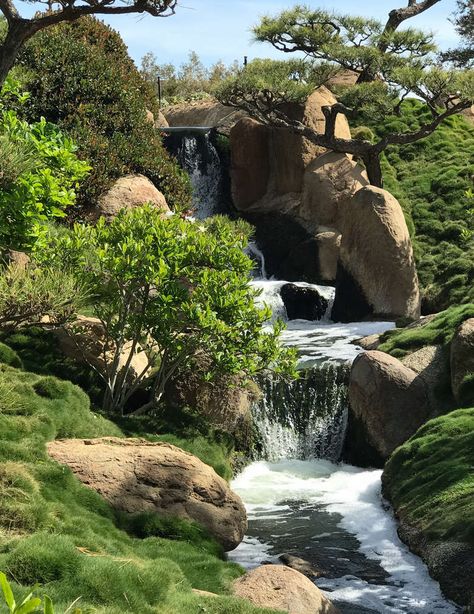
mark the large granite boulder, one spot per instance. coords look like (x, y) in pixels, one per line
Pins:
(283, 589)
(127, 193)
(135, 475)
(250, 164)
(462, 363)
(388, 403)
(207, 113)
(291, 153)
(376, 271)
(329, 180)
(282, 155)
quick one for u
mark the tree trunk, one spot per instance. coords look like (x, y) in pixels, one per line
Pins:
(19, 31)
(374, 169)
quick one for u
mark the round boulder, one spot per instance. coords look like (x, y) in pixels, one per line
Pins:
(329, 180)
(135, 475)
(284, 589)
(388, 403)
(126, 193)
(462, 363)
(376, 272)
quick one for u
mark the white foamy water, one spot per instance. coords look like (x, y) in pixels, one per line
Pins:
(350, 499)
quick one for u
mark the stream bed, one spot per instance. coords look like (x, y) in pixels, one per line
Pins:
(333, 516)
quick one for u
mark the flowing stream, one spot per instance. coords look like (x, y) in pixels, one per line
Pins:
(300, 499)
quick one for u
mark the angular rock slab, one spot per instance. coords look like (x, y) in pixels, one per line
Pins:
(388, 401)
(284, 589)
(135, 475)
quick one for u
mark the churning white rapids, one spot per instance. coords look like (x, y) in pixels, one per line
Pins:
(333, 516)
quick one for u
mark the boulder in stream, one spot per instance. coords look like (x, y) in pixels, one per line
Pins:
(303, 302)
(388, 403)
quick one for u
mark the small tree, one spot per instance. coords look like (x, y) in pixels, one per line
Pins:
(176, 289)
(20, 29)
(402, 62)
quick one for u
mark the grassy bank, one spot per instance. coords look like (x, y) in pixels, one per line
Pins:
(55, 531)
(431, 178)
(429, 479)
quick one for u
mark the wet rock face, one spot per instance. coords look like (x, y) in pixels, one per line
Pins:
(135, 475)
(303, 303)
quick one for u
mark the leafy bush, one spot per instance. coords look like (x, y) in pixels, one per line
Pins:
(39, 172)
(176, 289)
(9, 357)
(82, 78)
(28, 294)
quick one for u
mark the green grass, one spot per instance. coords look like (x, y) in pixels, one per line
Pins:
(56, 531)
(439, 331)
(430, 478)
(430, 178)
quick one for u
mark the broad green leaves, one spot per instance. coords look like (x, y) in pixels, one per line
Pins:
(177, 289)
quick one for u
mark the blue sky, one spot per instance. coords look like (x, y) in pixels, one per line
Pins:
(220, 29)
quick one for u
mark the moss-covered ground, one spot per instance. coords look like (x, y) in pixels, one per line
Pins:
(431, 179)
(55, 531)
(439, 331)
(430, 478)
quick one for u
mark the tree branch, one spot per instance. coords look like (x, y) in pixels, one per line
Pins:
(8, 9)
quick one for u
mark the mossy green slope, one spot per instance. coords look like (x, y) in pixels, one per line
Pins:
(430, 481)
(56, 531)
(431, 178)
(439, 331)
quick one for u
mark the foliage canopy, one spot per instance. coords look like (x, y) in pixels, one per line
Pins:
(176, 289)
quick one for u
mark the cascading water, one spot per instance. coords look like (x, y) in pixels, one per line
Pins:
(300, 501)
(328, 513)
(197, 155)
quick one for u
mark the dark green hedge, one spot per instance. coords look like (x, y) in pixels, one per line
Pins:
(81, 77)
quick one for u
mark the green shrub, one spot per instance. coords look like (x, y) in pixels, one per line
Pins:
(82, 78)
(39, 172)
(28, 294)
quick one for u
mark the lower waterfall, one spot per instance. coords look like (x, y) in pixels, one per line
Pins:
(305, 418)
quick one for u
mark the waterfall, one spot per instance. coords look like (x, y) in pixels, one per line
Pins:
(305, 418)
(196, 154)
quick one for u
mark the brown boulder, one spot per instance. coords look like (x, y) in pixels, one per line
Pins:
(126, 193)
(84, 341)
(376, 272)
(135, 475)
(329, 180)
(161, 121)
(283, 589)
(291, 153)
(462, 362)
(249, 162)
(388, 403)
(206, 113)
